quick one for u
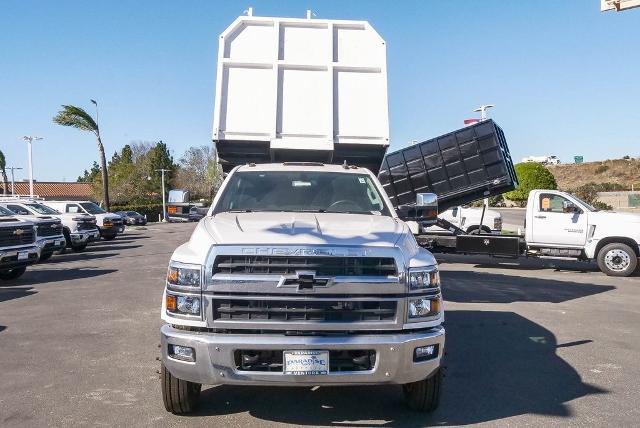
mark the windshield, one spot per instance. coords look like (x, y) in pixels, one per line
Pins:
(92, 208)
(5, 212)
(42, 209)
(301, 191)
(589, 207)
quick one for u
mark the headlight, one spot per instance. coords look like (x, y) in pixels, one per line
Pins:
(184, 275)
(187, 305)
(424, 278)
(423, 307)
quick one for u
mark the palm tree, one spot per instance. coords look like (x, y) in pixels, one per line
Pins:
(78, 118)
(3, 170)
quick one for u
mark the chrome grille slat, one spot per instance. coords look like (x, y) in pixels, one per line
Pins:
(340, 310)
(323, 266)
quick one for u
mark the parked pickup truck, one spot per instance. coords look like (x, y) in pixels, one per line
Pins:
(49, 236)
(560, 225)
(468, 219)
(109, 224)
(78, 229)
(17, 245)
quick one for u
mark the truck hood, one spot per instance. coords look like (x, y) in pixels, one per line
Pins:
(303, 229)
(613, 216)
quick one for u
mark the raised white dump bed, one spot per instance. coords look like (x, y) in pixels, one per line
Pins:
(301, 90)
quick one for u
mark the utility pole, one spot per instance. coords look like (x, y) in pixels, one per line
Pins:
(13, 179)
(29, 139)
(164, 206)
(483, 116)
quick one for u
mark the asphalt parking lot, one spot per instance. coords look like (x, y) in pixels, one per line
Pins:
(535, 343)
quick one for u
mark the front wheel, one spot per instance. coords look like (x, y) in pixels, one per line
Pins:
(13, 273)
(78, 247)
(423, 395)
(45, 256)
(179, 396)
(617, 260)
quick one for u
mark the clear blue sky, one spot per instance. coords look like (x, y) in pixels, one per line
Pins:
(565, 78)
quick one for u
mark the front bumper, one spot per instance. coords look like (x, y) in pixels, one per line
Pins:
(11, 258)
(111, 231)
(51, 244)
(82, 237)
(215, 362)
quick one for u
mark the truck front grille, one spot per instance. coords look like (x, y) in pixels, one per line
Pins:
(322, 266)
(328, 311)
(49, 229)
(17, 235)
(85, 225)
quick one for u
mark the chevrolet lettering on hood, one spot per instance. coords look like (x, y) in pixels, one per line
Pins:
(281, 251)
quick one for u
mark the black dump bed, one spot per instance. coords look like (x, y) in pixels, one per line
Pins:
(460, 167)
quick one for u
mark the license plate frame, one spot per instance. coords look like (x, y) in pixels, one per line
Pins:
(23, 255)
(305, 362)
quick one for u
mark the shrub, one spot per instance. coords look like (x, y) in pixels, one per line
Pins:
(589, 193)
(531, 176)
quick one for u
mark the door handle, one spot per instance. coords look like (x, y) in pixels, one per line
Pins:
(540, 216)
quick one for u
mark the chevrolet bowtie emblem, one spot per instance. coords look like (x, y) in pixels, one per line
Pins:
(304, 280)
(18, 232)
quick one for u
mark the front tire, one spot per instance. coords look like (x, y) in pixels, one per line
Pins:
(179, 396)
(14, 273)
(423, 395)
(45, 256)
(78, 247)
(617, 260)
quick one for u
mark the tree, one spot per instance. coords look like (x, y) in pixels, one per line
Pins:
(78, 118)
(3, 170)
(89, 176)
(531, 175)
(199, 172)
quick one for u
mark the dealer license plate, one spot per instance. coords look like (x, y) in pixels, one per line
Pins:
(306, 363)
(23, 255)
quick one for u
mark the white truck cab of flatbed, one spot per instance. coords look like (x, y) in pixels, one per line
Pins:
(560, 224)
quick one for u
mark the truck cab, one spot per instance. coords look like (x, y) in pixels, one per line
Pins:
(560, 224)
(109, 224)
(302, 274)
(49, 236)
(78, 229)
(18, 247)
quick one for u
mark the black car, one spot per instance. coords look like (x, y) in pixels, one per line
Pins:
(132, 218)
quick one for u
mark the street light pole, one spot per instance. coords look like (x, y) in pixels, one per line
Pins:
(29, 139)
(13, 179)
(482, 109)
(164, 206)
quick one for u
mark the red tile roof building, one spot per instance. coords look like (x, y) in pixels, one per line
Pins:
(53, 190)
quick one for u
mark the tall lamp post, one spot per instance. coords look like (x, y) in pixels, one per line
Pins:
(13, 179)
(29, 139)
(482, 109)
(164, 206)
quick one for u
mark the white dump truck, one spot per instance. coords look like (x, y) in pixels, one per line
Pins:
(302, 272)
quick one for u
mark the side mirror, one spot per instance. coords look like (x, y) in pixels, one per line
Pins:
(425, 210)
(572, 208)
